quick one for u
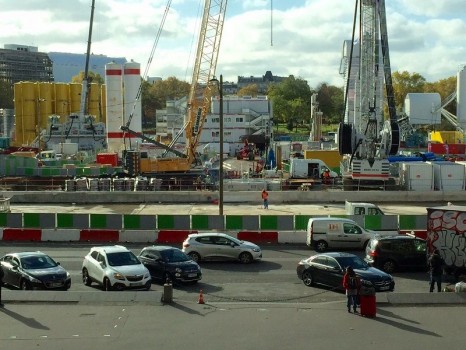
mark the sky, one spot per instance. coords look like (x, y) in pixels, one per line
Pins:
(303, 38)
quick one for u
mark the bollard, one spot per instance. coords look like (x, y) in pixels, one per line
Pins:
(167, 296)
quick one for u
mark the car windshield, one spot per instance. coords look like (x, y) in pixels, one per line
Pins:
(353, 261)
(174, 255)
(34, 262)
(122, 259)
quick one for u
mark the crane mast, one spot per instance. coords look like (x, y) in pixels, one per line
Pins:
(365, 138)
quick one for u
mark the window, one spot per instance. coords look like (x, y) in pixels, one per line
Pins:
(332, 263)
(320, 260)
(216, 120)
(239, 119)
(351, 229)
(215, 133)
(94, 254)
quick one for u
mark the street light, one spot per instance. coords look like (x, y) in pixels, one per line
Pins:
(220, 175)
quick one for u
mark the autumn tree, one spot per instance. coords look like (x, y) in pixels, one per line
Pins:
(93, 78)
(291, 101)
(404, 83)
(249, 90)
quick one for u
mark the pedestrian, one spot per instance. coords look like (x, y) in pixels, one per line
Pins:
(436, 263)
(1, 284)
(351, 283)
(265, 198)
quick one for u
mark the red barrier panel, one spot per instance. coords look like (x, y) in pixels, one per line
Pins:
(99, 235)
(173, 236)
(418, 233)
(258, 236)
(22, 234)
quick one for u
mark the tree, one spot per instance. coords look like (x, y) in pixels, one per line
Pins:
(445, 87)
(291, 101)
(6, 95)
(249, 90)
(404, 83)
(331, 103)
(93, 77)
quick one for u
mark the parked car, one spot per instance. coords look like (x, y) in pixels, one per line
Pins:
(328, 269)
(395, 253)
(200, 246)
(115, 267)
(34, 270)
(170, 263)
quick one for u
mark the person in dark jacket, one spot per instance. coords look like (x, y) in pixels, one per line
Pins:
(351, 283)
(436, 270)
(1, 284)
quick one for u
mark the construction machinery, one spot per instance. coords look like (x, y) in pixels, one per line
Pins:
(248, 151)
(365, 138)
(199, 97)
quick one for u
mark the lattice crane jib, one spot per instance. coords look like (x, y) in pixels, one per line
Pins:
(204, 71)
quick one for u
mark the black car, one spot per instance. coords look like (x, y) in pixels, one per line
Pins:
(165, 262)
(328, 269)
(34, 270)
(394, 253)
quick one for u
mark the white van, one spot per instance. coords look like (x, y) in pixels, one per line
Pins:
(328, 232)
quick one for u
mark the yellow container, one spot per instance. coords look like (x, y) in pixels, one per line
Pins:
(446, 136)
(62, 99)
(75, 97)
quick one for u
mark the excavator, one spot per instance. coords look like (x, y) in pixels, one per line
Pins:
(199, 98)
(366, 139)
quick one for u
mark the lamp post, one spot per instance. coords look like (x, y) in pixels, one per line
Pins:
(220, 172)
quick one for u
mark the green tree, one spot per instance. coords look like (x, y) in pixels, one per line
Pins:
(291, 100)
(6, 95)
(94, 78)
(249, 90)
(331, 102)
(445, 87)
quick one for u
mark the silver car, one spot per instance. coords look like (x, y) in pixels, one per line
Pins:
(202, 246)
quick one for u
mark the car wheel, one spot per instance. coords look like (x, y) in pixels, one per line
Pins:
(245, 258)
(308, 279)
(321, 246)
(148, 285)
(389, 266)
(194, 256)
(107, 286)
(25, 285)
(86, 279)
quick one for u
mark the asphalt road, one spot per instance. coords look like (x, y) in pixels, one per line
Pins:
(273, 279)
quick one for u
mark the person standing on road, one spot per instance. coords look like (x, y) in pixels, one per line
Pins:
(351, 284)
(265, 198)
(436, 270)
(1, 285)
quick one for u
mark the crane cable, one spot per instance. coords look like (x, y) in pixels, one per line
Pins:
(149, 61)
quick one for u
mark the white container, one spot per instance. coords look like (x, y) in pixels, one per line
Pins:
(448, 176)
(417, 176)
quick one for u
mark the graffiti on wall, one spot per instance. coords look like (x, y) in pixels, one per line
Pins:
(446, 232)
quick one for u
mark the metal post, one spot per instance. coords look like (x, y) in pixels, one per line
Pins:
(220, 176)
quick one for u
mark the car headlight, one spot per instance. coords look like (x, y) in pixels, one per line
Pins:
(68, 275)
(146, 276)
(178, 270)
(366, 283)
(256, 250)
(118, 276)
(34, 280)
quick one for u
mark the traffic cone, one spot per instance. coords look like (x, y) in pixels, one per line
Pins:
(201, 298)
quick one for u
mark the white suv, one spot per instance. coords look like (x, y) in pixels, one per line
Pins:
(115, 267)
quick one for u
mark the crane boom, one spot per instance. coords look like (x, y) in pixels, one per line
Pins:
(366, 139)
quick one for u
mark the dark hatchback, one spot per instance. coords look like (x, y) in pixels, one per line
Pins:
(396, 253)
(34, 270)
(328, 269)
(165, 262)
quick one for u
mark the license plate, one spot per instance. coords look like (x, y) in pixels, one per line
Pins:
(56, 285)
(192, 275)
(384, 287)
(134, 284)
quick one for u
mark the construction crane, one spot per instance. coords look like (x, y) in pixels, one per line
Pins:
(365, 138)
(199, 96)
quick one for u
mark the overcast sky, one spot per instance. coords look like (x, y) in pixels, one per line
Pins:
(300, 38)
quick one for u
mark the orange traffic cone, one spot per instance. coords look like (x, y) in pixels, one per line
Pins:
(201, 298)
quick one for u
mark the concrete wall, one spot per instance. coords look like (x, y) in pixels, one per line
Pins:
(234, 197)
